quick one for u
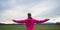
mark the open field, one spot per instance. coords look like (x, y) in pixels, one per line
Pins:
(22, 27)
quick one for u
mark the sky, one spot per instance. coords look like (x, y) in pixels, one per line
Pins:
(40, 9)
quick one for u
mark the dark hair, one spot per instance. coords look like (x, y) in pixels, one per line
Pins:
(29, 14)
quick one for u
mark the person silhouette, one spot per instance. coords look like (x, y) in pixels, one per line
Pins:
(30, 22)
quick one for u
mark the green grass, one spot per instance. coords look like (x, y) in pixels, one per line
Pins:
(22, 27)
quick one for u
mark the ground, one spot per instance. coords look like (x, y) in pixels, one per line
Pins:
(22, 27)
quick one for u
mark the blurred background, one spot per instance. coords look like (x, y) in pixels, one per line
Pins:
(40, 9)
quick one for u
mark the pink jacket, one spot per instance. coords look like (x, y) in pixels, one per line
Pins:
(30, 22)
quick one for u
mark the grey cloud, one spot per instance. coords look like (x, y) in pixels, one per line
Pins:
(53, 12)
(7, 4)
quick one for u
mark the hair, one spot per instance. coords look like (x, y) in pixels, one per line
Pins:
(29, 14)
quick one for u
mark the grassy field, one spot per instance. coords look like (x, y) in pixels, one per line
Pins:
(22, 27)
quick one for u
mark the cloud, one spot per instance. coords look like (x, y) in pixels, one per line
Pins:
(53, 9)
(18, 9)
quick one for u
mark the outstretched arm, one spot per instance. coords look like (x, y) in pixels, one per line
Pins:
(19, 21)
(40, 21)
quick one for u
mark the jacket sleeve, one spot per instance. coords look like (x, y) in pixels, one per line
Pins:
(19, 21)
(40, 21)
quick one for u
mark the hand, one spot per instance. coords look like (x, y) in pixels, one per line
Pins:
(47, 19)
(13, 19)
